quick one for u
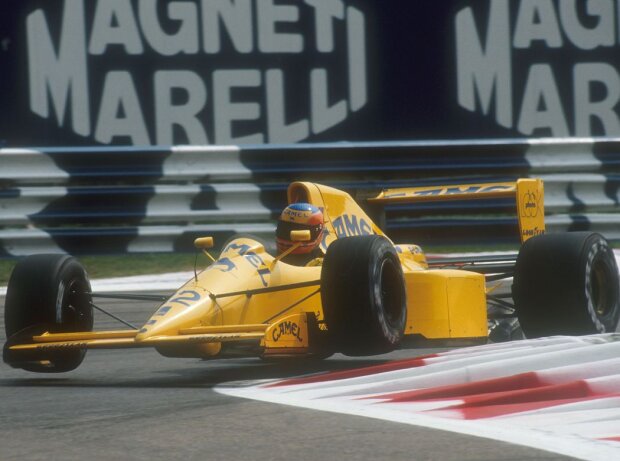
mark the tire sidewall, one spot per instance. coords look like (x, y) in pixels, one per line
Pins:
(599, 252)
(385, 257)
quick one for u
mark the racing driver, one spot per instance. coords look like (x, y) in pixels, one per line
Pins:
(300, 216)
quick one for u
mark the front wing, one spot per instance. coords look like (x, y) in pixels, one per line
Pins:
(288, 335)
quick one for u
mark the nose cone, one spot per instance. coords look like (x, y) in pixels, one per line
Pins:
(185, 309)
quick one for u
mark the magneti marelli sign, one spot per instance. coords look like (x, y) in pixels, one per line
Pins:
(245, 61)
(146, 72)
(536, 38)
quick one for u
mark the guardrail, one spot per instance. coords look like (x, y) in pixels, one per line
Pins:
(102, 199)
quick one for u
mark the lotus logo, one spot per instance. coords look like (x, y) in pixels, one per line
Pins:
(529, 202)
(197, 71)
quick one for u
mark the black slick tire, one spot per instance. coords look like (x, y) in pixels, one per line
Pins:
(47, 293)
(363, 295)
(566, 284)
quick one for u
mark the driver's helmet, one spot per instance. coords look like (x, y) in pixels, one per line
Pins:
(299, 216)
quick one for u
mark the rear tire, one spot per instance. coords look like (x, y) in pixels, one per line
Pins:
(566, 284)
(47, 293)
(363, 295)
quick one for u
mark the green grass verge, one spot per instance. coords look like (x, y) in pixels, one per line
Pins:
(122, 265)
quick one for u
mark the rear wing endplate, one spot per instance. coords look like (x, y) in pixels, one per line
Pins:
(528, 194)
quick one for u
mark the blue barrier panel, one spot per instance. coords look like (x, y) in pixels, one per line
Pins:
(105, 199)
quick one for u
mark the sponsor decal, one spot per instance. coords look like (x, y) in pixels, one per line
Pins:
(211, 338)
(348, 225)
(251, 257)
(530, 204)
(296, 214)
(532, 232)
(72, 345)
(453, 190)
(286, 329)
(223, 265)
(199, 72)
(544, 68)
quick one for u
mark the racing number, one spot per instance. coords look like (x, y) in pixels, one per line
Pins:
(186, 297)
(189, 296)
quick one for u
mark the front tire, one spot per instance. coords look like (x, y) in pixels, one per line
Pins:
(363, 295)
(47, 293)
(566, 284)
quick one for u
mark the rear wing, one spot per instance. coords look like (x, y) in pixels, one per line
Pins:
(528, 194)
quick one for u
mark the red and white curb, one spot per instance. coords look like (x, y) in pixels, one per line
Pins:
(559, 394)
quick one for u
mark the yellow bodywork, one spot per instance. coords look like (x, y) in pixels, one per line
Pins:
(446, 304)
(249, 302)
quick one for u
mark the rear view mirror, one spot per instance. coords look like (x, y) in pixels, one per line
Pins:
(300, 236)
(203, 243)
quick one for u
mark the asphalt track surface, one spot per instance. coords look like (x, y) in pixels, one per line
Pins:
(138, 405)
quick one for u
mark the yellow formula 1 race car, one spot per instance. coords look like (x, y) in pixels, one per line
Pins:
(365, 295)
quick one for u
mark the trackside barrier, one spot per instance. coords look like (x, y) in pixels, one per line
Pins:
(108, 200)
